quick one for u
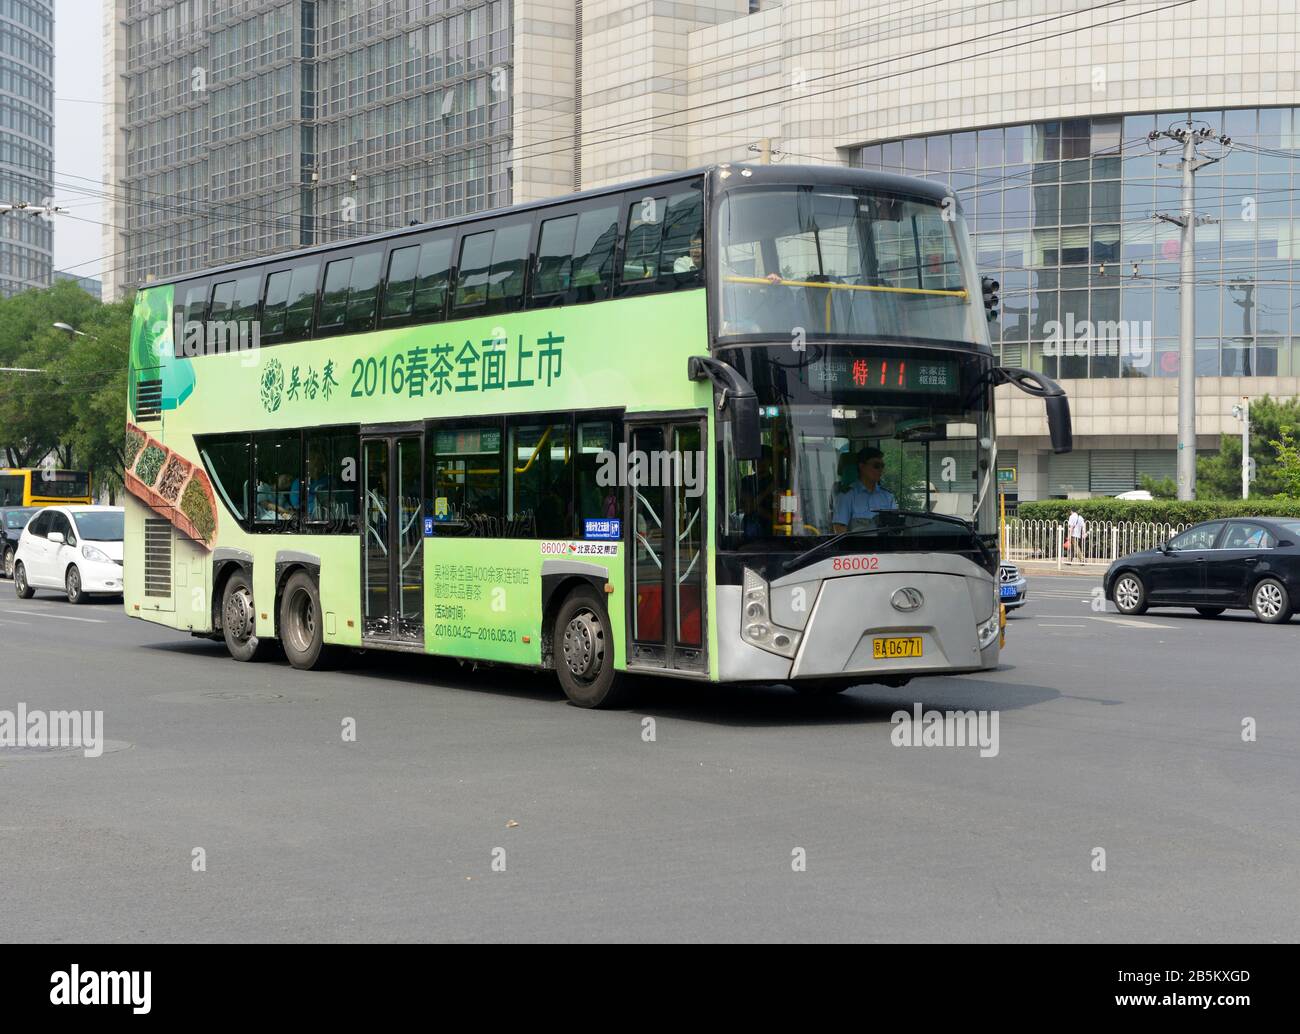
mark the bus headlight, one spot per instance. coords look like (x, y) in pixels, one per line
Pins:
(988, 630)
(756, 625)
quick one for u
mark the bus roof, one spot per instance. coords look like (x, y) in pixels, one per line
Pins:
(737, 175)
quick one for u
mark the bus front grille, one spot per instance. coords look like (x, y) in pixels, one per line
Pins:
(157, 557)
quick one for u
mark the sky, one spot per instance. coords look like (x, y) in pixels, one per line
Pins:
(78, 136)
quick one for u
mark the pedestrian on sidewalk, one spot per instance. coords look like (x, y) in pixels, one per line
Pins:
(1077, 529)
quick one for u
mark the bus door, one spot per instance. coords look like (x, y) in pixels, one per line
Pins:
(666, 475)
(392, 545)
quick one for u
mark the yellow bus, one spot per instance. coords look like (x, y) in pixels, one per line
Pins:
(41, 486)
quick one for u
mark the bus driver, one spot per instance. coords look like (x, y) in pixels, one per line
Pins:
(865, 497)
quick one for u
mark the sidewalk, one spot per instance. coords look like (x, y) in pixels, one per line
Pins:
(1089, 570)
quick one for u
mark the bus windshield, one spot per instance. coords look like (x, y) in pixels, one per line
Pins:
(829, 262)
(895, 445)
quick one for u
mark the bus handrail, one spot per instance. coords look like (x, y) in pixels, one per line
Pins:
(963, 293)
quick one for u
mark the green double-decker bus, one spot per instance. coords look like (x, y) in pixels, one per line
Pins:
(731, 425)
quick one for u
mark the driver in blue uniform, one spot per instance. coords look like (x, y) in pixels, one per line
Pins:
(865, 497)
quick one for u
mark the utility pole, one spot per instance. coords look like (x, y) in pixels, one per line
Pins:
(765, 151)
(1189, 135)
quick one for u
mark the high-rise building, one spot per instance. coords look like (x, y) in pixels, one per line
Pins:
(26, 142)
(244, 127)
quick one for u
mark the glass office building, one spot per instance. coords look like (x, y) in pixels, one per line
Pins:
(1062, 214)
(255, 126)
(26, 142)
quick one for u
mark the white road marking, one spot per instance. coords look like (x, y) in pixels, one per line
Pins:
(58, 617)
(1042, 624)
(1129, 623)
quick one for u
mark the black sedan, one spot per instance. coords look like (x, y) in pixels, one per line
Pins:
(1246, 563)
(13, 519)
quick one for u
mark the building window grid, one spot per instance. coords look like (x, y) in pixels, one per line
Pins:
(1042, 201)
(403, 74)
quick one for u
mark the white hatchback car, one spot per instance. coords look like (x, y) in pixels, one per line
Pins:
(74, 548)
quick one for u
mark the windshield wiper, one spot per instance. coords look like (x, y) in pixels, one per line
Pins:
(966, 525)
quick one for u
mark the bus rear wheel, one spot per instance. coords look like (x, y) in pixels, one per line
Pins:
(239, 619)
(584, 652)
(302, 632)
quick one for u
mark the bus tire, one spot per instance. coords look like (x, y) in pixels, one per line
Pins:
(302, 628)
(584, 652)
(21, 589)
(239, 619)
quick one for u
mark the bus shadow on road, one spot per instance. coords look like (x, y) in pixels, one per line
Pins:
(777, 705)
(710, 703)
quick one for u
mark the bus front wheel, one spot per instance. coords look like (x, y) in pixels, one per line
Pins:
(301, 628)
(584, 652)
(239, 619)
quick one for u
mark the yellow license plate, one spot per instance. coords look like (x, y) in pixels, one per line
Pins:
(888, 647)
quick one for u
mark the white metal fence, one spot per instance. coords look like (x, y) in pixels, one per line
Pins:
(1046, 541)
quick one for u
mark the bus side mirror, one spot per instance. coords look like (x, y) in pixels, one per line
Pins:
(737, 403)
(1031, 382)
(1059, 425)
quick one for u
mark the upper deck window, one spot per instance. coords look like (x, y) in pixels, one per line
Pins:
(842, 263)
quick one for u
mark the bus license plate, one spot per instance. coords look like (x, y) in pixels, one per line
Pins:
(886, 648)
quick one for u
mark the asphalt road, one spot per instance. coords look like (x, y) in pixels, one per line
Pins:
(1114, 733)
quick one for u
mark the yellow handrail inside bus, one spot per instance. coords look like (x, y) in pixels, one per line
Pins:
(963, 293)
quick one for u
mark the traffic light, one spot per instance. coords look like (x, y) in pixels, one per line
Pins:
(990, 287)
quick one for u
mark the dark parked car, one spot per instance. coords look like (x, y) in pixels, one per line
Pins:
(13, 519)
(1244, 563)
